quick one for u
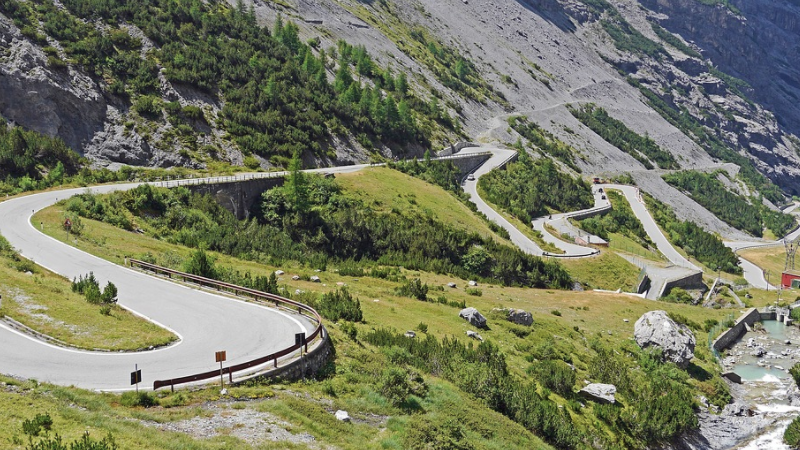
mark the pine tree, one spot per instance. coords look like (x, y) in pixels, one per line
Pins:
(297, 185)
(401, 84)
(343, 78)
(461, 70)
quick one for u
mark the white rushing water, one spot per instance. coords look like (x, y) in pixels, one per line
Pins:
(772, 440)
(767, 386)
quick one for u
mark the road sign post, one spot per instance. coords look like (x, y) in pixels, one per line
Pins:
(136, 377)
(221, 357)
(300, 339)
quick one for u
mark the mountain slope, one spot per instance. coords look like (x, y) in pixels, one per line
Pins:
(468, 66)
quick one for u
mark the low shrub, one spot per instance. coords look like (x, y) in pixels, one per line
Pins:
(339, 305)
(39, 423)
(415, 289)
(795, 373)
(134, 399)
(554, 375)
(350, 330)
(394, 386)
(791, 436)
(678, 295)
(84, 443)
(350, 268)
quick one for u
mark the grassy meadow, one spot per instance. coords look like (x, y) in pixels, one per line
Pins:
(567, 323)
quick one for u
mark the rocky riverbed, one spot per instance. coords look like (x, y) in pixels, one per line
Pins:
(766, 401)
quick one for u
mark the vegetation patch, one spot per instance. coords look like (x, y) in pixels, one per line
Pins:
(619, 220)
(674, 41)
(311, 220)
(529, 188)
(46, 303)
(607, 271)
(615, 132)
(736, 211)
(543, 141)
(695, 241)
(446, 63)
(445, 175)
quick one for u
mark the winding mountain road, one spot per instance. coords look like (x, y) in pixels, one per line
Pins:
(499, 158)
(639, 208)
(631, 193)
(204, 322)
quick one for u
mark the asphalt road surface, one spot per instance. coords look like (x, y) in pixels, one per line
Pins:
(499, 157)
(204, 322)
(561, 222)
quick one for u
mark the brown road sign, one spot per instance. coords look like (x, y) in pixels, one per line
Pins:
(220, 356)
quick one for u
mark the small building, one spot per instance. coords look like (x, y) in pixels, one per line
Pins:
(790, 279)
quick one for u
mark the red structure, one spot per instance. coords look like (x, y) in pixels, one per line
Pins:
(788, 279)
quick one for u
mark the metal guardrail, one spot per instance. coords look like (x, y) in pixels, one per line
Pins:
(319, 331)
(168, 183)
(213, 180)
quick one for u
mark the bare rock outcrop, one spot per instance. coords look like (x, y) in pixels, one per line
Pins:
(55, 102)
(657, 329)
(600, 393)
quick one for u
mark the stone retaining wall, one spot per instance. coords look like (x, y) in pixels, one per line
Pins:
(729, 337)
(468, 163)
(693, 281)
(455, 148)
(306, 366)
(238, 196)
(644, 284)
(586, 213)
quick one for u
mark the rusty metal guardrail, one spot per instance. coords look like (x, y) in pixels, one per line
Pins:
(319, 331)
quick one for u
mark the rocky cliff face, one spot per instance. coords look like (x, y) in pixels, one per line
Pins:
(758, 44)
(56, 103)
(69, 104)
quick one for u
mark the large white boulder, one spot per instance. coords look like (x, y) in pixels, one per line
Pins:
(676, 341)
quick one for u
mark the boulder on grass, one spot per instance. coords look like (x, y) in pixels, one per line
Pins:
(676, 341)
(473, 316)
(520, 317)
(474, 335)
